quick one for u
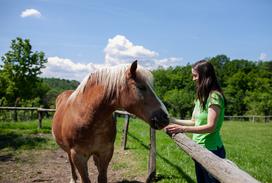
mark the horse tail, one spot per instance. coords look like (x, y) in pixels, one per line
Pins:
(60, 105)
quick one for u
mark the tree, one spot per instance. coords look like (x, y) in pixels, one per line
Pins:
(259, 98)
(181, 101)
(220, 62)
(161, 81)
(20, 70)
(56, 87)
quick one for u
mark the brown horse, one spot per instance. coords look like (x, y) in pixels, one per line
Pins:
(83, 124)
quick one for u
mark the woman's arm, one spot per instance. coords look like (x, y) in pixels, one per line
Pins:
(182, 122)
(213, 113)
(178, 125)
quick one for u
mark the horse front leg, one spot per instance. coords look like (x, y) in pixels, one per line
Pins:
(80, 161)
(102, 160)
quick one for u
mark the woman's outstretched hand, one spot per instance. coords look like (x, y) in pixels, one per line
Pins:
(174, 128)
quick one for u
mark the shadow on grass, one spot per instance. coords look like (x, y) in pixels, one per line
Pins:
(129, 181)
(163, 177)
(6, 157)
(16, 141)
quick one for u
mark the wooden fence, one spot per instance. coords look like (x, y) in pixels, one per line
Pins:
(224, 170)
(40, 112)
(252, 118)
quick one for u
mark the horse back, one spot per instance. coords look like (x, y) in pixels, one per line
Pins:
(63, 97)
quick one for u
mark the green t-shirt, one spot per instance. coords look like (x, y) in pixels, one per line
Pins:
(213, 140)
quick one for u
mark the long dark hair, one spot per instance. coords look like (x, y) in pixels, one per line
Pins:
(207, 81)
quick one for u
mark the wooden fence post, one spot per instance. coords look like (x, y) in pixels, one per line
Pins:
(40, 116)
(125, 131)
(114, 117)
(15, 118)
(152, 157)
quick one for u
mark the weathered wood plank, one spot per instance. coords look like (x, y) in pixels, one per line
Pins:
(152, 157)
(46, 110)
(18, 108)
(125, 131)
(40, 117)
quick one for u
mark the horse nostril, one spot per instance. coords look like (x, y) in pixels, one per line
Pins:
(164, 116)
(159, 119)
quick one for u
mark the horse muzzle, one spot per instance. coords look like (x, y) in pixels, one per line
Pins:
(159, 120)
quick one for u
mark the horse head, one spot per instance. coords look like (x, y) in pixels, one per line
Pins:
(138, 97)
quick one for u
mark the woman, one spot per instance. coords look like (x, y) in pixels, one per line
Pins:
(208, 116)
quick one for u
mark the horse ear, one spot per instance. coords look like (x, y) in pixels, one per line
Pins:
(133, 68)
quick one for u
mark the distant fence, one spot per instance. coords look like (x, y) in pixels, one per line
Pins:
(35, 113)
(30, 113)
(224, 170)
(252, 118)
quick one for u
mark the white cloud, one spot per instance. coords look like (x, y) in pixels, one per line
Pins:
(31, 13)
(67, 69)
(167, 62)
(119, 50)
(263, 57)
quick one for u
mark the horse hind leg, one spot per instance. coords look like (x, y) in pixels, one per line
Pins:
(80, 162)
(73, 169)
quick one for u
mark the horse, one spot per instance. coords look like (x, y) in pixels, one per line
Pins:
(83, 125)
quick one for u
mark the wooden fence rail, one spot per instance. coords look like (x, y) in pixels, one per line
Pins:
(224, 170)
(39, 110)
(253, 118)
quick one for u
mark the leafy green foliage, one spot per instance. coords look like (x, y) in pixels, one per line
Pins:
(247, 86)
(56, 87)
(180, 102)
(19, 72)
(176, 88)
(19, 81)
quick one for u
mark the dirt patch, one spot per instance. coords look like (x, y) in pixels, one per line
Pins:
(52, 166)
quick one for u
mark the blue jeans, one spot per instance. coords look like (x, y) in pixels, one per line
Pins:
(202, 176)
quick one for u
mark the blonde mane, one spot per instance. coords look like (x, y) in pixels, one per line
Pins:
(112, 78)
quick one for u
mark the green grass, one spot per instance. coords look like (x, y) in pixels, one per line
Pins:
(17, 136)
(27, 127)
(247, 144)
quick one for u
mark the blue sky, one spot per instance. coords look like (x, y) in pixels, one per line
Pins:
(81, 36)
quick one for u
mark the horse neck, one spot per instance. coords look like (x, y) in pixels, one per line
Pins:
(97, 102)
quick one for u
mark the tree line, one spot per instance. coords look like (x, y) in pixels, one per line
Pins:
(247, 85)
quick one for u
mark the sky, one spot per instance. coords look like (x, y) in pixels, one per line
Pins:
(81, 36)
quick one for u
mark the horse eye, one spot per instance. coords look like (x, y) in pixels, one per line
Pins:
(142, 87)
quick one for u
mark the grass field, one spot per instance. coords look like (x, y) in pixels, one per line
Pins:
(247, 144)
